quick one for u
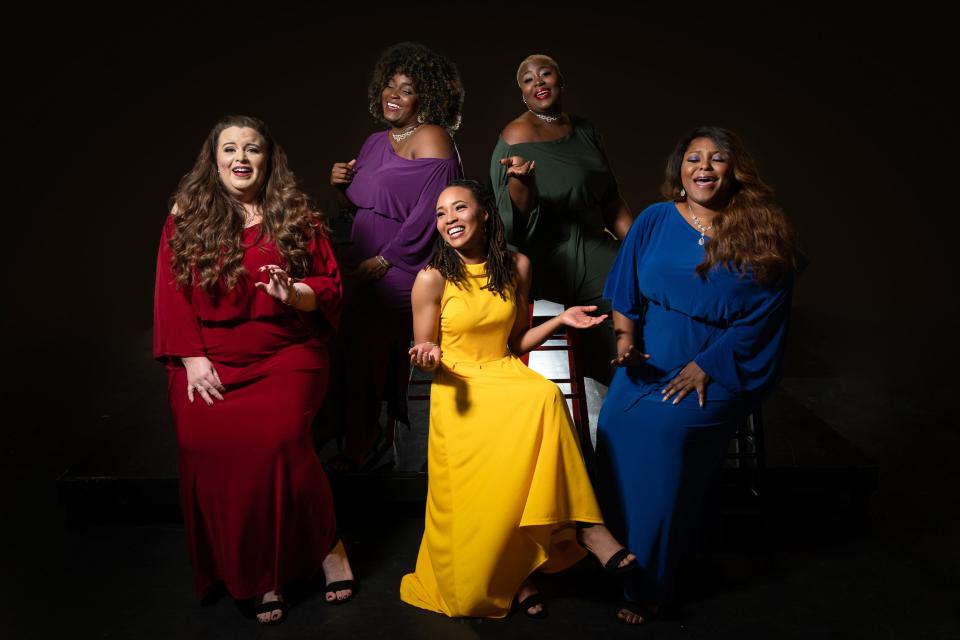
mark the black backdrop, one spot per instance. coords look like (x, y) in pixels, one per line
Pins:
(845, 113)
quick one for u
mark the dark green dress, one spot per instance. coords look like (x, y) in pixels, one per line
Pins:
(565, 236)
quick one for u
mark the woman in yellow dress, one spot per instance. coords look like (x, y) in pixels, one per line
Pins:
(508, 491)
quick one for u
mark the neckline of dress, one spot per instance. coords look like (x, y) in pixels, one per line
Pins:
(478, 269)
(566, 138)
(686, 223)
(394, 153)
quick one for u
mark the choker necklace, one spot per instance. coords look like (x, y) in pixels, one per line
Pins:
(545, 117)
(696, 221)
(400, 137)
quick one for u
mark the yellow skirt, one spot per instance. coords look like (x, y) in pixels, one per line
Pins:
(507, 483)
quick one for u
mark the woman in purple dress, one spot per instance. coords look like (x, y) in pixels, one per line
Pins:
(391, 187)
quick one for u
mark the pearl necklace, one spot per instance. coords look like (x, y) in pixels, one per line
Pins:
(400, 137)
(544, 116)
(699, 224)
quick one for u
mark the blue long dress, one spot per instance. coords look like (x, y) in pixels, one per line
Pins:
(656, 459)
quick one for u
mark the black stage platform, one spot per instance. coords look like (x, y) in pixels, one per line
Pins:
(834, 550)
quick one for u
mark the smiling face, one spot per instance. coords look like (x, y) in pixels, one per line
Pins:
(706, 173)
(399, 101)
(241, 162)
(540, 84)
(461, 222)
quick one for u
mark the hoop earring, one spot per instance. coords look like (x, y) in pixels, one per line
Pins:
(421, 118)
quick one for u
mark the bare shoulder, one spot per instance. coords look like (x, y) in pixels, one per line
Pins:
(429, 283)
(522, 262)
(174, 210)
(432, 141)
(518, 131)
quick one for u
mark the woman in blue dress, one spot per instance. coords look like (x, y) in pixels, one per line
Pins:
(701, 294)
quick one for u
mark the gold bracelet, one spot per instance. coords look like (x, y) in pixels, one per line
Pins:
(383, 262)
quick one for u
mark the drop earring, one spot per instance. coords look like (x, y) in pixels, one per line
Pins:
(683, 192)
(421, 118)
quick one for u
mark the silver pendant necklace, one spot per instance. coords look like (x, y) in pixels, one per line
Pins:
(699, 225)
(400, 137)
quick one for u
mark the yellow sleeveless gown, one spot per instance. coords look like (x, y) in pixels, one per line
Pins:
(506, 475)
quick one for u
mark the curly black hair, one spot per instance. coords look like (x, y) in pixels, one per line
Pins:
(501, 268)
(435, 77)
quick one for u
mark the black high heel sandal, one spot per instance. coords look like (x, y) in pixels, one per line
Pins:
(339, 585)
(531, 601)
(612, 565)
(647, 613)
(270, 607)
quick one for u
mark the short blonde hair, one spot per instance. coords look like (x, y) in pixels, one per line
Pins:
(534, 56)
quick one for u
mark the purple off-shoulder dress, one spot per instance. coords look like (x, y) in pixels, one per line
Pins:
(396, 203)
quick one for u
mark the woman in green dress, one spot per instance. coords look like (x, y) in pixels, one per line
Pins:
(560, 202)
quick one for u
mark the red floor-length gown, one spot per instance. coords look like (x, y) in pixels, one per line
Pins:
(257, 506)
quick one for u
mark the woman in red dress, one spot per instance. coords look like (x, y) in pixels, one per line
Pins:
(247, 300)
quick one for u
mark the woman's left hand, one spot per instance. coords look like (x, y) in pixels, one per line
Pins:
(690, 377)
(578, 318)
(280, 285)
(370, 270)
(519, 167)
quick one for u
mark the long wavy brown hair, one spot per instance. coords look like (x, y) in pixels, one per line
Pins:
(751, 233)
(207, 246)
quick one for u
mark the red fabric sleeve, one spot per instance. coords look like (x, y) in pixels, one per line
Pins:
(176, 330)
(324, 279)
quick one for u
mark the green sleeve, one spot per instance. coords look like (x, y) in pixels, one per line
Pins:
(517, 236)
(611, 191)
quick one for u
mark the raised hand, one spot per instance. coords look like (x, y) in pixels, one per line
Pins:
(425, 356)
(579, 318)
(690, 378)
(519, 167)
(342, 173)
(630, 355)
(280, 285)
(202, 378)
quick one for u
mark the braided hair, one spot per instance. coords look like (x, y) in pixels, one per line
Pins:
(501, 269)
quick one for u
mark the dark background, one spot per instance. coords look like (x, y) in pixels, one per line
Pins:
(847, 115)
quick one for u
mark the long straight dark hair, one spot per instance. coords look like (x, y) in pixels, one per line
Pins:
(501, 269)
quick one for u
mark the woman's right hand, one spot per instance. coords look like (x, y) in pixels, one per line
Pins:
(342, 174)
(202, 378)
(629, 356)
(425, 356)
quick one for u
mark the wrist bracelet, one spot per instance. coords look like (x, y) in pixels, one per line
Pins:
(383, 262)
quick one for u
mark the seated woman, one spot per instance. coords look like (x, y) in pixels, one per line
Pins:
(247, 300)
(701, 295)
(507, 479)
